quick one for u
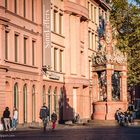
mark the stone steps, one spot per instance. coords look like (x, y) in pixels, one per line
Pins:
(102, 123)
(110, 123)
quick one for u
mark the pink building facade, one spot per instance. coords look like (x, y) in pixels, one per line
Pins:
(59, 75)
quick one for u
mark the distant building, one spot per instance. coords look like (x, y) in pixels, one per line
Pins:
(45, 56)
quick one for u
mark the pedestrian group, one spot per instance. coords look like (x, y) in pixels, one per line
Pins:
(125, 118)
(44, 116)
(8, 123)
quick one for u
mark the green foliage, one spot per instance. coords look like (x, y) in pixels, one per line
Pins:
(125, 18)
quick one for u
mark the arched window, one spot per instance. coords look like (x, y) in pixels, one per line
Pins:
(25, 103)
(49, 99)
(55, 99)
(61, 104)
(61, 95)
(90, 99)
(33, 103)
(116, 86)
(16, 95)
(44, 95)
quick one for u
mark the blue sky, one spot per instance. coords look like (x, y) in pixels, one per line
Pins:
(133, 1)
(130, 1)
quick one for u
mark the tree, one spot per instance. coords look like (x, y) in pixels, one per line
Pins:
(125, 18)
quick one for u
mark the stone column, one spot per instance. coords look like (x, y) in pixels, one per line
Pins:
(28, 118)
(85, 47)
(2, 43)
(20, 108)
(79, 72)
(95, 90)
(2, 69)
(109, 82)
(2, 91)
(123, 81)
(67, 41)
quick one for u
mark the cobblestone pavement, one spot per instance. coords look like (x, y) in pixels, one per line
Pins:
(75, 133)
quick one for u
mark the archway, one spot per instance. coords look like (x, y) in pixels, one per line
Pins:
(33, 104)
(61, 105)
(49, 100)
(16, 98)
(25, 103)
(55, 99)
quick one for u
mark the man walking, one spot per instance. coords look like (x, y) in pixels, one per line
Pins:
(6, 117)
(44, 115)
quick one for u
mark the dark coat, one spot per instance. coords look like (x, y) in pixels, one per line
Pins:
(6, 114)
(54, 117)
(44, 112)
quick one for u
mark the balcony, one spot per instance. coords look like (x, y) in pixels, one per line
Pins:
(107, 1)
(105, 4)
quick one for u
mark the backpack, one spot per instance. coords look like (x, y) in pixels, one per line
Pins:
(44, 112)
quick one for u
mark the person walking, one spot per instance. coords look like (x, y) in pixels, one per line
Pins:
(6, 118)
(53, 119)
(44, 115)
(15, 118)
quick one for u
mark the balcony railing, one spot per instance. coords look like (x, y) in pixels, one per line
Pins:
(106, 3)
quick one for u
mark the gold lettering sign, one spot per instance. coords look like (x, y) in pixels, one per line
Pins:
(46, 32)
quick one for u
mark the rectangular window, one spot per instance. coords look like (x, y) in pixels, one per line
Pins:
(60, 23)
(16, 47)
(24, 8)
(82, 62)
(89, 68)
(61, 60)
(92, 39)
(6, 45)
(33, 10)
(15, 6)
(33, 53)
(95, 14)
(106, 16)
(88, 39)
(88, 5)
(6, 4)
(55, 59)
(99, 12)
(89, 10)
(25, 53)
(102, 14)
(92, 12)
(96, 41)
(54, 24)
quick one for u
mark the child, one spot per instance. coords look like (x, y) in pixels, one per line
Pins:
(53, 119)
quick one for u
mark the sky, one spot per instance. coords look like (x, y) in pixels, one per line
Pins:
(131, 1)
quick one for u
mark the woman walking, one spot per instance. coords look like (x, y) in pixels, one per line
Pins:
(53, 119)
(15, 118)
